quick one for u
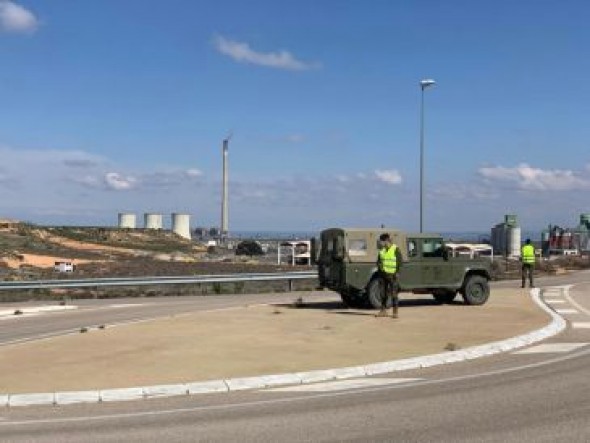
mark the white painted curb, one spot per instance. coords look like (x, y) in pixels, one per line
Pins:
(265, 381)
(207, 387)
(556, 325)
(122, 394)
(164, 391)
(31, 399)
(71, 397)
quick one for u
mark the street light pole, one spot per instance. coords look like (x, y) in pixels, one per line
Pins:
(423, 85)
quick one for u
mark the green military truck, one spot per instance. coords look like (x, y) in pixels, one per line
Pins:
(347, 264)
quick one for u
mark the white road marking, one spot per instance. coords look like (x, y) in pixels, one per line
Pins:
(552, 291)
(13, 317)
(553, 302)
(550, 348)
(581, 325)
(127, 305)
(576, 304)
(35, 310)
(567, 311)
(342, 385)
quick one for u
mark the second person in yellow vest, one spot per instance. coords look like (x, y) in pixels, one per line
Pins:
(527, 256)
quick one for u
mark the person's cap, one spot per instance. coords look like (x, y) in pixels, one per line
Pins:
(528, 240)
(384, 237)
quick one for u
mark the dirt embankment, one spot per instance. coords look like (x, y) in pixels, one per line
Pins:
(23, 245)
(30, 252)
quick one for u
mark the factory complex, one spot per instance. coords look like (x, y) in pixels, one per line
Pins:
(506, 238)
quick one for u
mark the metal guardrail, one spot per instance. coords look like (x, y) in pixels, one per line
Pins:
(167, 280)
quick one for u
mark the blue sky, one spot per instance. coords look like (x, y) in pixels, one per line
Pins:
(121, 106)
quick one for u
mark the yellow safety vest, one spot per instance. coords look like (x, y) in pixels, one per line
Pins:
(388, 260)
(528, 254)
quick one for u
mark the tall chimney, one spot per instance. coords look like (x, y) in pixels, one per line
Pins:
(223, 232)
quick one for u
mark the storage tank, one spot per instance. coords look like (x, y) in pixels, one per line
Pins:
(127, 220)
(152, 221)
(181, 225)
(498, 240)
(513, 241)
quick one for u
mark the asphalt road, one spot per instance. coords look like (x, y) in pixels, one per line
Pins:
(530, 397)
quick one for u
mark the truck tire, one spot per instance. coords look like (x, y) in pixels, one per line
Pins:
(444, 296)
(476, 290)
(374, 291)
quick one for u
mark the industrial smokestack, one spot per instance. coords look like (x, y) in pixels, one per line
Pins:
(223, 231)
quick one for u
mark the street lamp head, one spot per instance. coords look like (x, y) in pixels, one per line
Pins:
(426, 83)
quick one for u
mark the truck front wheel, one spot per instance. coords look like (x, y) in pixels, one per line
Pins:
(374, 292)
(476, 290)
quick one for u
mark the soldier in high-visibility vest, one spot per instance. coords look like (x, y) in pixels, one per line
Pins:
(527, 256)
(388, 262)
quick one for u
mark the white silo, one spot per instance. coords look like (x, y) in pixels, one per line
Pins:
(152, 221)
(513, 241)
(127, 220)
(181, 225)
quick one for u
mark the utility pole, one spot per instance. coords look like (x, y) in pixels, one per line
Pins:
(224, 229)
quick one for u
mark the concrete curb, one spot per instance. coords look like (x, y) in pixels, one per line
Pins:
(556, 325)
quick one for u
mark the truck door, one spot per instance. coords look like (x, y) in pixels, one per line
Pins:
(410, 271)
(434, 267)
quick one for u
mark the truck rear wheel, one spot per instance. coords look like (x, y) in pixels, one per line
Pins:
(374, 292)
(476, 290)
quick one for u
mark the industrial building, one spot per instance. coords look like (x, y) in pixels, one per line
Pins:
(567, 241)
(506, 237)
(127, 220)
(180, 222)
(152, 221)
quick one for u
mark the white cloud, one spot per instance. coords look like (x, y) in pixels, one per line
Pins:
(159, 180)
(392, 176)
(88, 181)
(118, 182)
(15, 18)
(193, 173)
(529, 178)
(69, 187)
(243, 53)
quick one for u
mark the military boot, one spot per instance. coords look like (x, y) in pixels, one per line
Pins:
(394, 312)
(381, 313)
